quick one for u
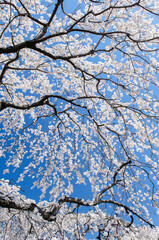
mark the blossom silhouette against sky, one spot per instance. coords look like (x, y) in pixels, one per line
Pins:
(79, 115)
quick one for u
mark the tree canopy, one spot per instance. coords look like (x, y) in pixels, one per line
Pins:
(79, 105)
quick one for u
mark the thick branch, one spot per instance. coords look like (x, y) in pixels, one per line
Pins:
(44, 101)
(41, 102)
(46, 215)
(18, 47)
(6, 203)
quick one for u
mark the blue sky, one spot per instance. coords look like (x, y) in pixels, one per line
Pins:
(82, 191)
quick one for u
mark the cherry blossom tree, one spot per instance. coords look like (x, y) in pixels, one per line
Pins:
(79, 106)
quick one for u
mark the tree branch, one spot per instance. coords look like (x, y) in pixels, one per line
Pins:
(95, 203)
(49, 215)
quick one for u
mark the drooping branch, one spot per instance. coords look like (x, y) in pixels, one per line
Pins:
(81, 202)
(49, 214)
(119, 169)
(115, 182)
(7, 65)
(94, 136)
